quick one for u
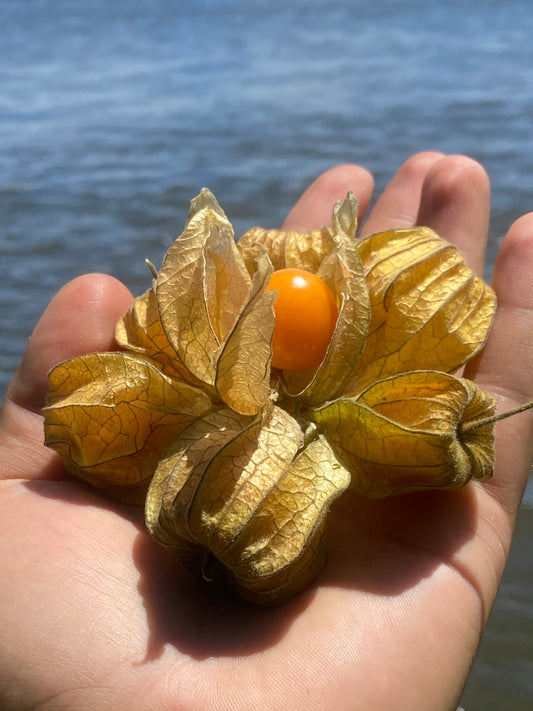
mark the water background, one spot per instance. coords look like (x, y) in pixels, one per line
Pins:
(114, 114)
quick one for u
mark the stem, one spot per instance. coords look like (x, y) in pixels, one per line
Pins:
(151, 268)
(476, 424)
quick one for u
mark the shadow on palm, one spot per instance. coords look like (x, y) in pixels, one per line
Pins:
(376, 548)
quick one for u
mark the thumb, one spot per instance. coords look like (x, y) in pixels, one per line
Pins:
(80, 318)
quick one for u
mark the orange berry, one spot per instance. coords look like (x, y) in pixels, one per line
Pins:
(306, 315)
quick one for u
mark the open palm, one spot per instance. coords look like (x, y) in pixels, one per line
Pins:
(95, 615)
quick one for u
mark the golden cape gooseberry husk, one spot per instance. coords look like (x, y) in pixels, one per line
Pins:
(237, 461)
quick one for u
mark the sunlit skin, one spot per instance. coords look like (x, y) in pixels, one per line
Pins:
(306, 314)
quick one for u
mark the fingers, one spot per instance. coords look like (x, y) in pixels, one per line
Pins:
(80, 318)
(506, 360)
(399, 203)
(450, 194)
(504, 366)
(455, 202)
(315, 207)
(505, 363)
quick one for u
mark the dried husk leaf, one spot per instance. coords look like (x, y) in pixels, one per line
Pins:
(227, 282)
(345, 216)
(301, 250)
(478, 440)
(429, 310)
(405, 433)
(220, 451)
(181, 510)
(289, 249)
(140, 332)
(240, 476)
(282, 548)
(180, 471)
(197, 269)
(111, 416)
(239, 494)
(243, 367)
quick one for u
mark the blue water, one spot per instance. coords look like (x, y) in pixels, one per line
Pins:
(113, 115)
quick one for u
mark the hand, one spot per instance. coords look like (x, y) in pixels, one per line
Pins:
(96, 615)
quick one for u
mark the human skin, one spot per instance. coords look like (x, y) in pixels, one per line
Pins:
(95, 615)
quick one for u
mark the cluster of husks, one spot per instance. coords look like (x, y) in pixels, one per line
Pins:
(239, 461)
